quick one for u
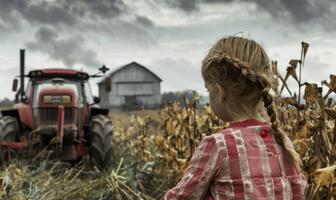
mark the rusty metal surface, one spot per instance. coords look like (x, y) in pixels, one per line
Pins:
(60, 124)
(13, 145)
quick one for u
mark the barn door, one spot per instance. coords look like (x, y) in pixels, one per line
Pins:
(131, 103)
(130, 100)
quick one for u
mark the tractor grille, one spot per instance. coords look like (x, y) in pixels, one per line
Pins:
(48, 116)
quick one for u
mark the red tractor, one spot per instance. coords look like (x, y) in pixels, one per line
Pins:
(56, 111)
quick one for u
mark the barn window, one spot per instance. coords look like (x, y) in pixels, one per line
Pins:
(126, 89)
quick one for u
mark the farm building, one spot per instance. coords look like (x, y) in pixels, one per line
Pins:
(133, 86)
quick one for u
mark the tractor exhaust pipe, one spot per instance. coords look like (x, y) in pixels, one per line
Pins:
(22, 72)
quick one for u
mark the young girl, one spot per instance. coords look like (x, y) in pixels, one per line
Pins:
(253, 158)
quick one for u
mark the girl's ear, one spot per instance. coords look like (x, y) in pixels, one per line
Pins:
(220, 93)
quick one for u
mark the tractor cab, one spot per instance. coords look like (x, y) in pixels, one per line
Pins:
(48, 94)
(58, 105)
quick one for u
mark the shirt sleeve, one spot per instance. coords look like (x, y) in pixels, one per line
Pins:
(202, 168)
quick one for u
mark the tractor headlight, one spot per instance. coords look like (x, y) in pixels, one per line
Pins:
(39, 73)
(82, 75)
(66, 99)
(36, 73)
(47, 99)
(56, 99)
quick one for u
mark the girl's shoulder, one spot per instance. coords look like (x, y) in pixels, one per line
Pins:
(243, 134)
(217, 139)
(230, 135)
(219, 135)
(247, 130)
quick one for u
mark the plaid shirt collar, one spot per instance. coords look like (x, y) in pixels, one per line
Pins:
(247, 122)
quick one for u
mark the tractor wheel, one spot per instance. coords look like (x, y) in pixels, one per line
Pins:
(9, 130)
(100, 134)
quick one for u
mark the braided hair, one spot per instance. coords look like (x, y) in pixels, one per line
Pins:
(242, 67)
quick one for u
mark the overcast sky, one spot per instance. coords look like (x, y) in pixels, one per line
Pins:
(170, 37)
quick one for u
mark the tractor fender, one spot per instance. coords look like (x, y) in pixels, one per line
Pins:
(98, 111)
(22, 113)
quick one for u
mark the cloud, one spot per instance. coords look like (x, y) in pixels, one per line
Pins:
(299, 11)
(70, 50)
(6, 78)
(61, 12)
(316, 70)
(77, 22)
(185, 5)
(8, 14)
(144, 21)
(49, 14)
(84, 16)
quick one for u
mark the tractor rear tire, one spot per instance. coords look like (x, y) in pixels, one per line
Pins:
(9, 131)
(100, 134)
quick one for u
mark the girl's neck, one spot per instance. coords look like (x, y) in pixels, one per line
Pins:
(243, 118)
(258, 114)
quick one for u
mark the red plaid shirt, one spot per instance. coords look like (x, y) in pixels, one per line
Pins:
(241, 162)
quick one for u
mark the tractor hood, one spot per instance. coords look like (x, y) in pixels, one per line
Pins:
(48, 102)
(53, 96)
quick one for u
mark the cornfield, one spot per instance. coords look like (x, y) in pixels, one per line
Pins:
(152, 149)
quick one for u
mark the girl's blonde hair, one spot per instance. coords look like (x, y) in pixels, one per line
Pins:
(242, 68)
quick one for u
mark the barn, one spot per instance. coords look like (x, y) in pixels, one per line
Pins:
(133, 86)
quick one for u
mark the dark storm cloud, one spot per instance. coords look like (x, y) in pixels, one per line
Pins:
(300, 11)
(73, 15)
(104, 9)
(8, 14)
(144, 21)
(61, 12)
(110, 19)
(185, 5)
(70, 50)
(47, 13)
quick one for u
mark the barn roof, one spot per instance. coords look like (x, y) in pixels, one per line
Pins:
(128, 65)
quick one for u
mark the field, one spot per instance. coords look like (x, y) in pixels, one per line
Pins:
(152, 149)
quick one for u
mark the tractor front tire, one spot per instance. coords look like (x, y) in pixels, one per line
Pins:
(9, 131)
(100, 134)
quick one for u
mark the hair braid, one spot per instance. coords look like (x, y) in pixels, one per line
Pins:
(279, 134)
(265, 86)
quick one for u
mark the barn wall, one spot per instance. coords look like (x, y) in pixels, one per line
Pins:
(114, 91)
(132, 88)
(157, 92)
(116, 100)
